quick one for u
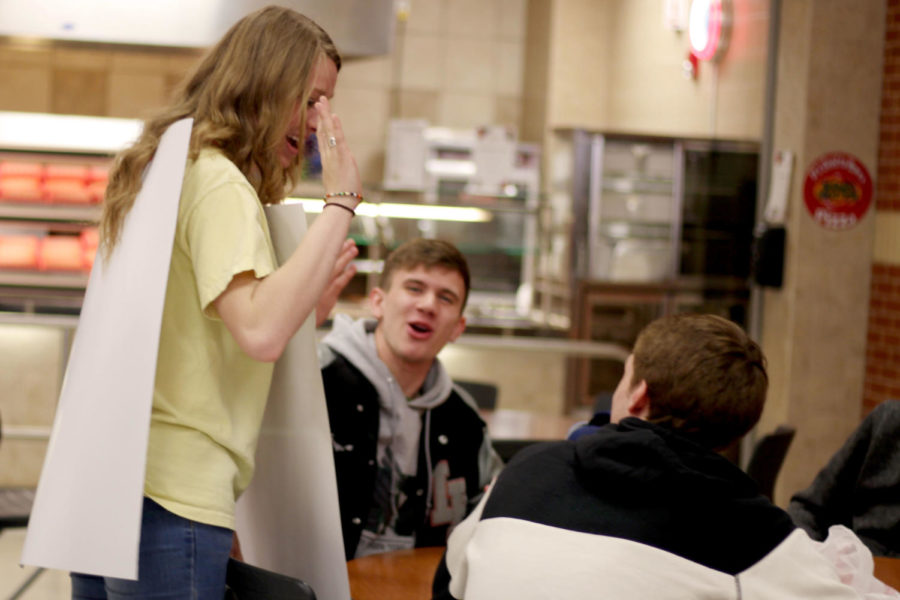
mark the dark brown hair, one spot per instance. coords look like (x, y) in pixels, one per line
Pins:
(426, 253)
(705, 377)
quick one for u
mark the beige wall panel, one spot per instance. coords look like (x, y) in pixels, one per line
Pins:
(369, 72)
(466, 110)
(25, 88)
(139, 62)
(21, 462)
(412, 104)
(423, 63)
(508, 111)
(469, 66)
(647, 89)
(82, 58)
(511, 16)
(32, 374)
(179, 63)
(533, 126)
(535, 68)
(79, 91)
(508, 62)
(580, 56)
(472, 19)
(425, 16)
(25, 55)
(363, 111)
(526, 380)
(369, 154)
(740, 109)
(655, 99)
(364, 116)
(136, 95)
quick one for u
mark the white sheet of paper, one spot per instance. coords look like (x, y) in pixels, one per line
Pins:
(288, 520)
(87, 511)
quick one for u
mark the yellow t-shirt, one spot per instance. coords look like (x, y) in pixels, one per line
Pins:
(209, 395)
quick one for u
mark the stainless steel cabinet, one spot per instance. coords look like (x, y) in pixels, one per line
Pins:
(657, 226)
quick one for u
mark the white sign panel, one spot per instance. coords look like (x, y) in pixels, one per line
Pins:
(288, 520)
(87, 511)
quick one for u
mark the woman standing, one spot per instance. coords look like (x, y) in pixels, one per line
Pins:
(229, 309)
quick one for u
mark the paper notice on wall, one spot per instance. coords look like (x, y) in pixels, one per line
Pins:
(288, 520)
(87, 510)
(779, 187)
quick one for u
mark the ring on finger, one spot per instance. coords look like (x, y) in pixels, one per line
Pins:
(332, 142)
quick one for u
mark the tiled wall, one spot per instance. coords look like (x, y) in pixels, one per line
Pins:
(456, 63)
(883, 345)
(68, 79)
(32, 359)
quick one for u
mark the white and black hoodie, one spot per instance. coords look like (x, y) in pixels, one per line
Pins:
(633, 511)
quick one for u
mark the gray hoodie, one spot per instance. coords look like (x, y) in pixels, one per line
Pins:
(400, 419)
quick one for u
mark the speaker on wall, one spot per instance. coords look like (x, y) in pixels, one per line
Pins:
(768, 256)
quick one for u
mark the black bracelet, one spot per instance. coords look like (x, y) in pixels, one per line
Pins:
(352, 212)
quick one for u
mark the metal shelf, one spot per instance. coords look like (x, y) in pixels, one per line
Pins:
(50, 212)
(43, 279)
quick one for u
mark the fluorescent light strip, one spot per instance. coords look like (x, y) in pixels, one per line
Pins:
(61, 133)
(425, 212)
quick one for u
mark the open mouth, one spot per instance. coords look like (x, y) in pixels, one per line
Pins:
(293, 141)
(420, 329)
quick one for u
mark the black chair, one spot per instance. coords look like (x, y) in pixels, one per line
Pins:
(247, 582)
(15, 508)
(484, 394)
(768, 456)
(506, 449)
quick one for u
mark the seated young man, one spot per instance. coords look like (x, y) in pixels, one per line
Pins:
(411, 453)
(644, 507)
(860, 486)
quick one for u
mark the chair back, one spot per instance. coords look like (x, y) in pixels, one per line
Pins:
(768, 456)
(508, 448)
(484, 394)
(248, 582)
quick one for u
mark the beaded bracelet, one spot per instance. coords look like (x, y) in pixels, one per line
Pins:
(338, 194)
(352, 212)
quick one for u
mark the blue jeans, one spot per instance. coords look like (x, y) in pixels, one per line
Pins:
(179, 559)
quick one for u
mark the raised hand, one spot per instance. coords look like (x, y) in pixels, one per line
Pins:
(339, 170)
(341, 275)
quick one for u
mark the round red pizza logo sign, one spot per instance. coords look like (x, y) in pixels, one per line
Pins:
(837, 190)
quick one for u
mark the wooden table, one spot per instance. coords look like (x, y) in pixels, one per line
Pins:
(888, 571)
(398, 575)
(407, 574)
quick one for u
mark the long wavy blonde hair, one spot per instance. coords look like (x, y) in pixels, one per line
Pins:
(240, 96)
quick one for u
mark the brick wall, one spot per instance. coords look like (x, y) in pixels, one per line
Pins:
(883, 347)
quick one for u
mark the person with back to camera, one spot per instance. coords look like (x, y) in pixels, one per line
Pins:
(229, 309)
(645, 507)
(412, 456)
